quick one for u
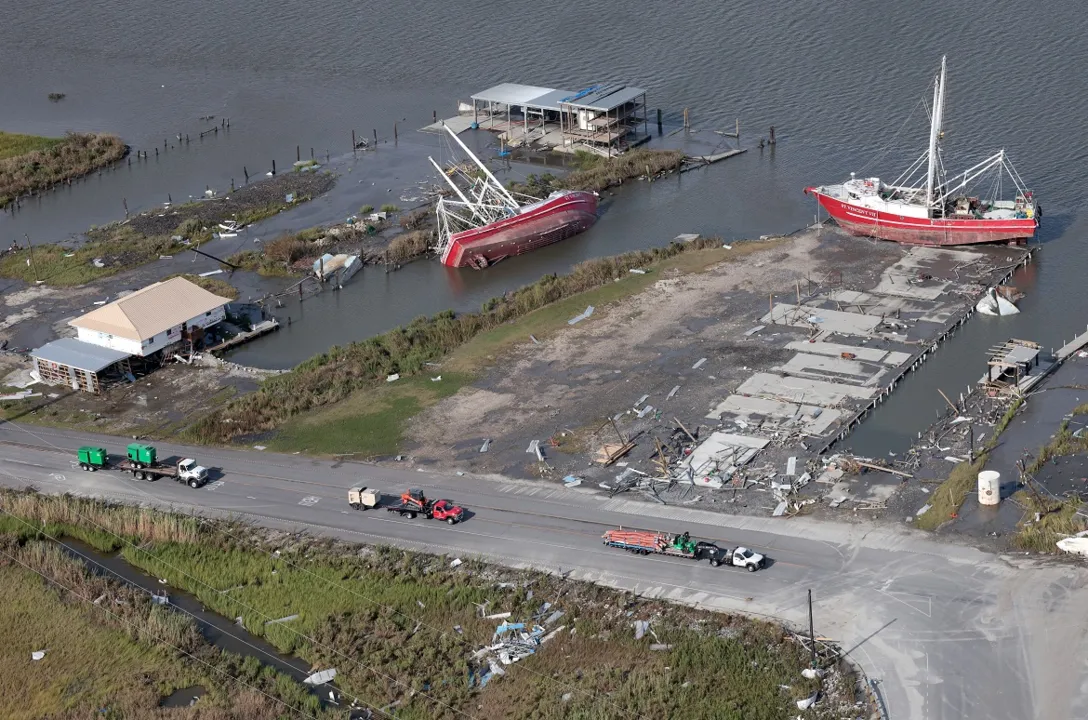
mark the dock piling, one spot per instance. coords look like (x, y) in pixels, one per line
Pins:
(273, 166)
(353, 145)
(244, 170)
(298, 153)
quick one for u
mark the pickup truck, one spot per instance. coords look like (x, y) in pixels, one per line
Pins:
(414, 503)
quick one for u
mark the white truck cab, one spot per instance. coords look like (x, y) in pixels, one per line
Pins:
(191, 473)
(748, 559)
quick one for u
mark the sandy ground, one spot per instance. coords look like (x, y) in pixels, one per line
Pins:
(646, 345)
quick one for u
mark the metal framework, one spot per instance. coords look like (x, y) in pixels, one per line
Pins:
(935, 190)
(485, 200)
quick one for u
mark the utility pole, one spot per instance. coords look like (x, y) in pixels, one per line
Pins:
(811, 631)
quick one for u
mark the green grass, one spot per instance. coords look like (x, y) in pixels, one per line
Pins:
(119, 248)
(73, 675)
(114, 664)
(395, 611)
(369, 423)
(14, 144)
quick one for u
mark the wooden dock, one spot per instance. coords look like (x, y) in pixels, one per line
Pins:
(262, 328)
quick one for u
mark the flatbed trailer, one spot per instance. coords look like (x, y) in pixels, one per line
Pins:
(646, 542)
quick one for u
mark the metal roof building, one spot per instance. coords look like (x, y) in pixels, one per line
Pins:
(605, 117)
(74, 363)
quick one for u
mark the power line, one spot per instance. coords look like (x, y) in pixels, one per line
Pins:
(164, 642)
(175, 607)
(300, 634)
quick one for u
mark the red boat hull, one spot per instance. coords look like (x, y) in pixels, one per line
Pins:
(866, 222)
(548, 222)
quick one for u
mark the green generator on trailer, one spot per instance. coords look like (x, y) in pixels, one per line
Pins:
(92, 458)
(141, 455)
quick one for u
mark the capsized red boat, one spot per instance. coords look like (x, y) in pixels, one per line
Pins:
(486, 223)
(935, 210)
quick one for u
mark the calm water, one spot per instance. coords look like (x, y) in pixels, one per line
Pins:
(838, 87)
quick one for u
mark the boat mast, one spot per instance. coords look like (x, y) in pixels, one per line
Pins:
(934, 135)
(495, 183)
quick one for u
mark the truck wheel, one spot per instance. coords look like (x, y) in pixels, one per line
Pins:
(194, 484)
(451, 521)
(137, 474)
(645, 552)
(715, 563)
(752, 568)
(411, 516)
(83, 466)
(354, 506)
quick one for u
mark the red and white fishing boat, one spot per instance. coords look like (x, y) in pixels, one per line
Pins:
(486, 224)
(935, 210)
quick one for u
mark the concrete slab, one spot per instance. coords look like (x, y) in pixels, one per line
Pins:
(810, 419)
(890, 358)
(834, 368)
(799, 390)
(726, 451)
(902, 278)
(825, 320)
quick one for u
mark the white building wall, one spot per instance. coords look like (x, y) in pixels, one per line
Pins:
(154, 344)
(132, 347)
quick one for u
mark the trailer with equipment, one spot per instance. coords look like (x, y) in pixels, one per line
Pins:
(645, 542)
(142, 462)
(414, 503)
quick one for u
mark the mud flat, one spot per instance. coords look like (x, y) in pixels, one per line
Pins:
(717, 379)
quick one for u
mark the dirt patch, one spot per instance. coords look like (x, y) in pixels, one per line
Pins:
(154, 406)
(645, 345)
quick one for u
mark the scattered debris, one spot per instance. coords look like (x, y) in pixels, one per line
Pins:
(579, 318)
(393, 378)
(806, 703)
(320, 678)
(611, 452)
(534, 448)
(571, 482)
(37, 655)
(455, 563)
(698, 364)
(672, 392)
(486, 446)
(289, 618)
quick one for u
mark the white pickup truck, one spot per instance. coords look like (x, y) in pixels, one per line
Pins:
(738, 557)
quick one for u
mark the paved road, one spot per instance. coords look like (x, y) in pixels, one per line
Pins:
(949, 633)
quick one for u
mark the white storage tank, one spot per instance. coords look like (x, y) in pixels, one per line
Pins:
(989, 487)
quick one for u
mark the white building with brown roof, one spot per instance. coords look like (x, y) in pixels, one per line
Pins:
(146, 321)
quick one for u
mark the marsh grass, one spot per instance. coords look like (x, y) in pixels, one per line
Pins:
(44, 162)
(595, 173)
